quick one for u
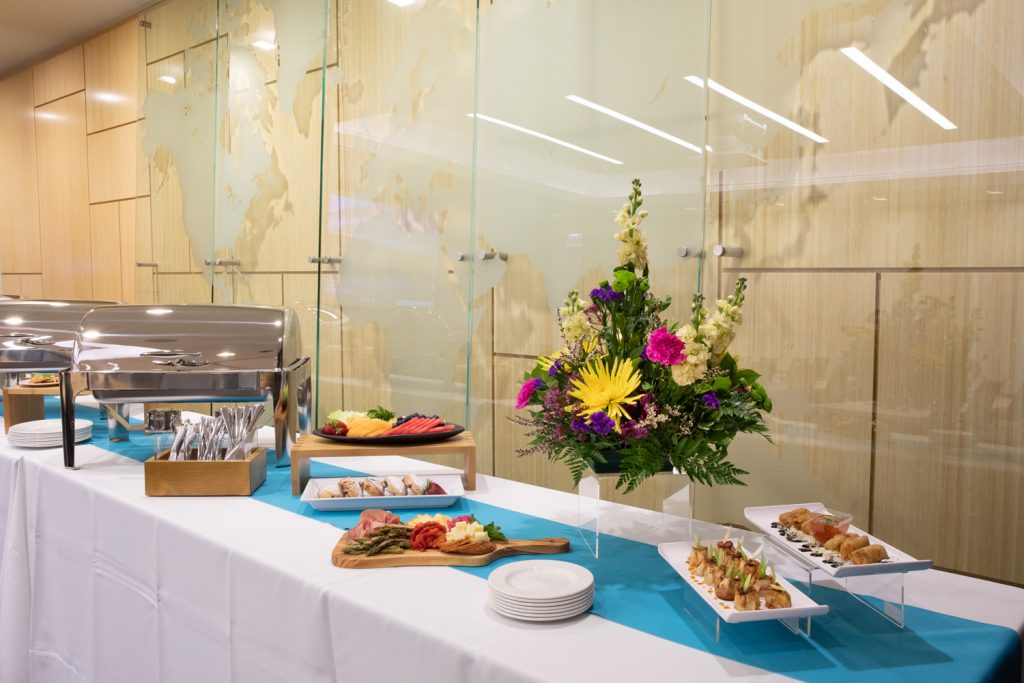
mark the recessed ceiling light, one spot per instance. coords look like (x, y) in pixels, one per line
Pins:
(168, 79)
(543, 136)
(889, 81)
(754, 106)
(633, 122)
(264, 44)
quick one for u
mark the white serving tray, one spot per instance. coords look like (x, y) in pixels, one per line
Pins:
(899, 561)
(676, 555)
(451, 483)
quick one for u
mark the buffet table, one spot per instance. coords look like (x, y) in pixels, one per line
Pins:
(100, 583)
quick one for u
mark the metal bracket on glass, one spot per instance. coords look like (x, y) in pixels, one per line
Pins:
(222, 262)
(685, 252)
(490, 254)
(460, 256)
(721, 250)
(146, 264)
(325, 260)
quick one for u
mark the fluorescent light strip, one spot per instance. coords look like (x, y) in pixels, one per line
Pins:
(633, 122)
(889, 81)
(754, 106)
(542, 136)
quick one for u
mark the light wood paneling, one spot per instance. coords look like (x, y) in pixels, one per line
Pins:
(31, 286)
(105, 224)
(64, 198)
(259, 289)
(113, 164)
(10, 285)
(177, 25)
(19, 198)
(138, 282)
(112, 63)
(811, 336)
(182, 288)
(523, 320)
(950, 457)
(58, 76)
(171, 246)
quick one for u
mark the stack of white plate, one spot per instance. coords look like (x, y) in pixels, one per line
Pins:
(541, 590)
(45, 433)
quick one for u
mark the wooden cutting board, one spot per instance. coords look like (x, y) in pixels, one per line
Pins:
(436, 558)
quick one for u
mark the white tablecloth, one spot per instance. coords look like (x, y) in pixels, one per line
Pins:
(100, 583)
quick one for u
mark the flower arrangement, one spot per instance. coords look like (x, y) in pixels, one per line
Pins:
(629, 384)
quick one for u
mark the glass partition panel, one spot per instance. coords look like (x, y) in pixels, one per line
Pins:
(868, 162)
(577, 98)
(394, 306)
(275, 78)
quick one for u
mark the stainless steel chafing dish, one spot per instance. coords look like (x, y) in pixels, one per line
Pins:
(38, 336)
(191, 354)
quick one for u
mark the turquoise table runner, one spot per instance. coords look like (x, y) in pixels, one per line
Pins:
(636, 588)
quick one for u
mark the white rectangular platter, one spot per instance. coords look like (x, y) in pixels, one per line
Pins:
(676, 555)
(451, 483)
(898, 562)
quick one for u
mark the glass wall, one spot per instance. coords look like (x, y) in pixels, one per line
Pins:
(880, 229)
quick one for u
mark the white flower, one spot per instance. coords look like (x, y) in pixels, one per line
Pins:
(633, 250)
(695, 367)
(575, 327)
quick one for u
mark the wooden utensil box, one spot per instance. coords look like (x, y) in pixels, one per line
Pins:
(205, 477)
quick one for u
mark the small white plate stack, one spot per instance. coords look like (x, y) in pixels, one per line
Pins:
(541, 590)
(45, 433)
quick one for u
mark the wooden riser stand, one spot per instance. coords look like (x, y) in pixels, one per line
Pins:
(312, 446)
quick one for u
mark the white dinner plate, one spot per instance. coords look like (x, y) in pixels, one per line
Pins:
(451, 483)
(29, 383)
(541, 579)
(589, 590)
(542, 604)
(585, 601)
(45, 427)
(538, 617)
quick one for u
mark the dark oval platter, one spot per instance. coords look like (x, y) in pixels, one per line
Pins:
(394, 439)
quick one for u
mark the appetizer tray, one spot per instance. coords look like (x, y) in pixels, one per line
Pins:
(436, 558)
(30, 383)
(395, 439)
(676, 555)
(763, 518)
(451, 483)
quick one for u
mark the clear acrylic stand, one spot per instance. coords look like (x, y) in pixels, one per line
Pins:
(667, 493)
(704, 616)
(883, 593)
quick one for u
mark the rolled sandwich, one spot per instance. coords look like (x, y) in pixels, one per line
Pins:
(349, 488)
(869, 555)
(373, 487)
(851, 545)
(787, 518)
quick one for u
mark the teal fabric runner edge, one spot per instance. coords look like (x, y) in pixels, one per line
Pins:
(636, 588)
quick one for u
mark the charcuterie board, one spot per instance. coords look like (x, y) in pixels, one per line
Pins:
(436, 558)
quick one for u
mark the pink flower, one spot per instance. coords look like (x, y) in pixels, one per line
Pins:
(665, 348)
(526, 391)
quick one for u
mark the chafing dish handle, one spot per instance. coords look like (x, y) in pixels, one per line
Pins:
(67, 417)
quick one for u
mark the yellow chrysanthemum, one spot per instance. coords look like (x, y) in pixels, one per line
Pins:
(545, 362)
(599, 389)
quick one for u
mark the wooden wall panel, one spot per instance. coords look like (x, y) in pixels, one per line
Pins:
(177, 25)
(811, 336)
(64, 198)
(171, 246)
(31, 286)
(112, 63)
(58, 76)
(133, 277)
(105, 230)
(113, 163)
(950, 458)
(19, 198)
(182, 288)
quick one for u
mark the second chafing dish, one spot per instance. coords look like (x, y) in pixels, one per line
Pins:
(191, 354)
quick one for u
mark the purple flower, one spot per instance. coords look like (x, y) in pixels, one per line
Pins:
(579, 425)
(711, 401)
(665, 348)
(601, 423)
(605, 293)
(526, 391)
(643, 353)
(555, 367)
(554, 400)
(633, 430)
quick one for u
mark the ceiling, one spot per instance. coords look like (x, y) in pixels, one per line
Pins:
(30, 29)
